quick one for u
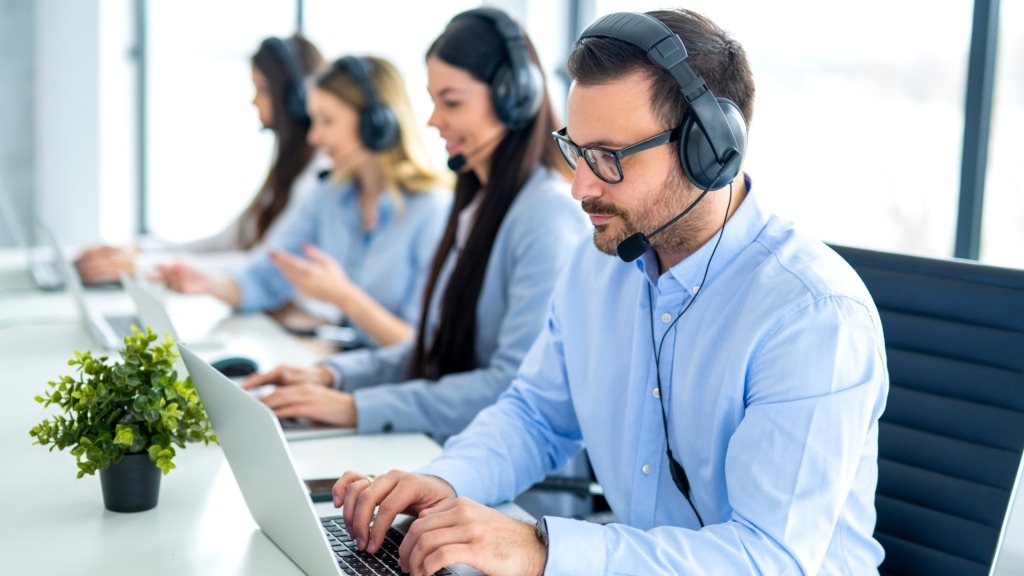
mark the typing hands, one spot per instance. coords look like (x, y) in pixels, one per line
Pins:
(104, 263)
(447, 530)
(305, 392)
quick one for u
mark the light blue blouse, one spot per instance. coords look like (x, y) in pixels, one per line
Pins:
(532, 246)
(773, 382)
(390, 262)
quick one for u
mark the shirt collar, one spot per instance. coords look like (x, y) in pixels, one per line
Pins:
(740, 230)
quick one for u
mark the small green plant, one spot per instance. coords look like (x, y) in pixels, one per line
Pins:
(113, 409)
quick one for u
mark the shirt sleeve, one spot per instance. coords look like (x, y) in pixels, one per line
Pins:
(539, 244)
(424, 246)
(357, 369)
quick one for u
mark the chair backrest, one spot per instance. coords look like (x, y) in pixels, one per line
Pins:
(952, 434)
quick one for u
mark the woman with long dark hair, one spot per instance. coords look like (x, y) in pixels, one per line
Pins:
(509, 233)
(279, 67)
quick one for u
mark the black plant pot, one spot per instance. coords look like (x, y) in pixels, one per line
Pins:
(131, 485)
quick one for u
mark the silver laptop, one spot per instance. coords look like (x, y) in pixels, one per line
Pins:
(255, 448)
(153, 312)
(42, 264)
(107, 330)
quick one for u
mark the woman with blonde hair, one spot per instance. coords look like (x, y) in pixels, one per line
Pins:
(364, 240)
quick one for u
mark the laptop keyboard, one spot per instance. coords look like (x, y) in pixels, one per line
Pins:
(352, 561)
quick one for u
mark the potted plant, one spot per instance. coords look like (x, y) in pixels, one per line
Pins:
(125, 418)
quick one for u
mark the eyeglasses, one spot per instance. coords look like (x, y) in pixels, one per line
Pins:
(605, 162)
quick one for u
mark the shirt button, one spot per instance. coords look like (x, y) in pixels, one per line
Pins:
(646, 469)
(696, 289)
(657, 392)
(666, 317)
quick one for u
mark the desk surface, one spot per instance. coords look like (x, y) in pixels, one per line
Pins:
(53, 523)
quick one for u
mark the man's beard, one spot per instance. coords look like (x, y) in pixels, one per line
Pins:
(656, 208)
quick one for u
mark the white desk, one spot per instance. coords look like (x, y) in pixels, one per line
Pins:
(53, 523)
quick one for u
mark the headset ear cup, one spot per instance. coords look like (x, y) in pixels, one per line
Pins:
(378, 127)
(295, 103)
(532, 93)
(503, 95)
(516, 100)
(697, 156)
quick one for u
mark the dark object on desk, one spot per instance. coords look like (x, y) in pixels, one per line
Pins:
(951, 437)
(235, 366)
(344, 337)
(320, 489)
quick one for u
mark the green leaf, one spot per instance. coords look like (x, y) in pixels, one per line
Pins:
(132, 404)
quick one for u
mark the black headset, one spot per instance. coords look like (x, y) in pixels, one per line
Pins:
(714, 135)
(378, 125)
(517, 87)
(294, 94)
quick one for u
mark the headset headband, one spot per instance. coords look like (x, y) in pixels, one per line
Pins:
(666, 49)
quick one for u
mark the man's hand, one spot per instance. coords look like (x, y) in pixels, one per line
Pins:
(447, 530)
(392, 494)
(462, 531)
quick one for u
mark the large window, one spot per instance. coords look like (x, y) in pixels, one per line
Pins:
(857, 133)
(858, 125)
(1002, 240)
(207, 156)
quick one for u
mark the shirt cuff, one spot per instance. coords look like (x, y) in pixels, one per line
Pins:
(566, 538)
(373, 413)
(247, 292)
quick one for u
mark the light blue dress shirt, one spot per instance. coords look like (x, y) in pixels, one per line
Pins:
(774, 380)
(532, 246)
(390, 262)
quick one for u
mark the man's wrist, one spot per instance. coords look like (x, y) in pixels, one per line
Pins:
(541, 531)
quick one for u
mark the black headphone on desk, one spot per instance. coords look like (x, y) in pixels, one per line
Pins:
(517, 87)
(378, 125)
(295, 88)
(714, 134)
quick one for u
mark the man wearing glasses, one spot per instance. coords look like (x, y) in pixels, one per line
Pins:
(725, 373)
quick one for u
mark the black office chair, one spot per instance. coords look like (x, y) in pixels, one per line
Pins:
(951, 437)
